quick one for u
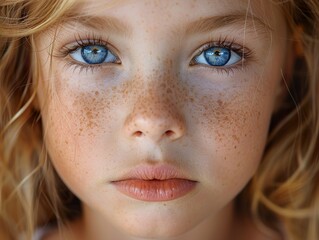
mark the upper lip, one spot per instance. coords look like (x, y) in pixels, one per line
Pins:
(151, 172)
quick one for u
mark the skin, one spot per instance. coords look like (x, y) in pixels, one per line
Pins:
(101, 122)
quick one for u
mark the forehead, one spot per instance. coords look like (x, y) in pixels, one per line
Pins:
(100, 6)
(261, 13)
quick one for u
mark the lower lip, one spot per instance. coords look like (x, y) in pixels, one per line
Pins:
(155, 190)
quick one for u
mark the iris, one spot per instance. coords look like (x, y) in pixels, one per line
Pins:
(94, 54)
(217, 56)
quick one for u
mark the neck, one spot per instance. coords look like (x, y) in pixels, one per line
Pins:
(217, 227)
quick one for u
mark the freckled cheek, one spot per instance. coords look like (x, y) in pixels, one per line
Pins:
(73, 124)
(234, 129)
(86, 110)
(73, 117)
(230, 121)
(92, 113)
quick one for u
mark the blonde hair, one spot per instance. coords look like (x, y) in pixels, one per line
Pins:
(284, 190)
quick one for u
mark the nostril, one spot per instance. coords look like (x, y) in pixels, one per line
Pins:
(169, 133)
(137, 134)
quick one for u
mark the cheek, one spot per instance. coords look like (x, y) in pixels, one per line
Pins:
(74, 119)
(82, 122)
(90, 113)
(232, 127)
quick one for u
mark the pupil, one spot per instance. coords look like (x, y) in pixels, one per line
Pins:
(217, 56)
(95, 50)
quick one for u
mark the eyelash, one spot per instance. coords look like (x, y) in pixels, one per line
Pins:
(83, 42)
(243, 52)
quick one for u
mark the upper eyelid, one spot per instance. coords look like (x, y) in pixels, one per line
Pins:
(80, 42)
(86, 41)
(219, 43)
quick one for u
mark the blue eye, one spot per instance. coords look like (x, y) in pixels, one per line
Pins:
(217, 57)
(93, 54)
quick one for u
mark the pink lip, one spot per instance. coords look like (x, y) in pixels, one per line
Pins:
(149, 183)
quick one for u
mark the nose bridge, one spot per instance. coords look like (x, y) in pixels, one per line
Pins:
(155, 114)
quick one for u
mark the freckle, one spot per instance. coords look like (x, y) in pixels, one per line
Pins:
(163, 85)
(226, 119)
(235, 138)
(258, 115)
(96, 93)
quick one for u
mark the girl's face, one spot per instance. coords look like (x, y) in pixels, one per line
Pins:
(156, 113)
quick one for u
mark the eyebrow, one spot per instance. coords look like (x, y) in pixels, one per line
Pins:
(200, 26)
(100, 23)
(210, 23)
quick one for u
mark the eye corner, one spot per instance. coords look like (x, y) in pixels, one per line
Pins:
(193, 61)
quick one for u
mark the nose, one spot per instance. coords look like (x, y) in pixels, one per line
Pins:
(155, 118)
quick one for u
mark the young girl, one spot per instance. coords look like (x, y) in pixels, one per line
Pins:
(177, 120)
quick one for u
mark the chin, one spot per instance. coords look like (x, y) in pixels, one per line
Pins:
(158, 232)
(159, 228)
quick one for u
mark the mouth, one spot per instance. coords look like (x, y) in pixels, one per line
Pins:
(154, 184)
